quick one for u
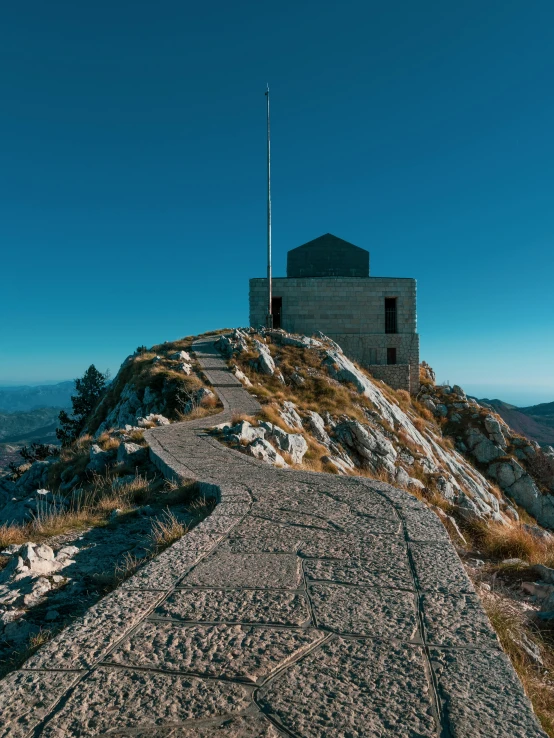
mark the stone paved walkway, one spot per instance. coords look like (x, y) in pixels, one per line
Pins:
(306, 605)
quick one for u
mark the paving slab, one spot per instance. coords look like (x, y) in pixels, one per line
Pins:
(239, 606)
(439, 568)
(456, 620)
(231, 651)
(423, 525)
(26, 697)
(367, 611)
(113, 699)
(90, 637)
(354, 688)
(481, 695)
(247, 726)
(265, 570)
(394, 572)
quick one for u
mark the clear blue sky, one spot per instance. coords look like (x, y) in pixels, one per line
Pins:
(132, 176)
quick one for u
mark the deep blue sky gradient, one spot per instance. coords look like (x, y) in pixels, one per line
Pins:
(132, 176)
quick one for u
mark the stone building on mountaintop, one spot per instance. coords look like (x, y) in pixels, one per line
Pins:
(328, 289)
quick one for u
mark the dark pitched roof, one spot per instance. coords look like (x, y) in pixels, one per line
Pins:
(328, 256)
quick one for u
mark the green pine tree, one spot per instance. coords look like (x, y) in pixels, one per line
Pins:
(89, 389)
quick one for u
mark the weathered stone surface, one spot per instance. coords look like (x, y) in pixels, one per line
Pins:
(423, 525)
(242, 610)
(394, 572)
(244, 651)
(456, 620)
(246, 570)
(90, 637)
(26, 697)
(247, 606)
(375, 612)
(248, 726)
(498, 707)
(138, 699)
(351, 688)
(439, 569)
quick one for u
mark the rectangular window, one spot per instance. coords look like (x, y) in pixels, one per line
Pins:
(390, 315)
(391, 356)
(276, 307)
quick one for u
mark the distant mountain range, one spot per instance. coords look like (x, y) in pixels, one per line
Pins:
(36, 425)
(26, 398)
(535, 422)
(30, 414)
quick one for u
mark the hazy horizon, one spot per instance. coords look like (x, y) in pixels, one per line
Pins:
(512, 395)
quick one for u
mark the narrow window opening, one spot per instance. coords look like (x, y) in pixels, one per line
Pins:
(391, 356)
(390, 315)
(276, 306)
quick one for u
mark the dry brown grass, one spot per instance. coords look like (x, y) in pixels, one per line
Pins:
(108, 442)
(512, 627)
(166, 530)
(500, 542)
(137, 436)
(89, 508)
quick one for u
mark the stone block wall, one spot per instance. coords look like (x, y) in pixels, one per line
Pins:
(351, 311)
(337, 305)
(396, 376)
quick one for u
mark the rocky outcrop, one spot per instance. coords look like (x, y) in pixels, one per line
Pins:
(502, 455)
(264, 441)
(368, 443)
(391, 441)
(264, 362)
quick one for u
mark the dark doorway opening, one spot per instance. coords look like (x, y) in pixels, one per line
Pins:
(390, 315)
(276, 307)
(391, 356)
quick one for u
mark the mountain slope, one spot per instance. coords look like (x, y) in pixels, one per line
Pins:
(543, 413)
(37, 425)
(25, 398)
(532, 422)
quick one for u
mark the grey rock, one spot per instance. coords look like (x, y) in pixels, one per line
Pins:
(180, 356)
(369, 443)
(99, 459)
(131, 454)
(290, 415)
(264, 363)
(264, 451)
(246, 432)
(481, 447)
(316, 425)
(292, 443)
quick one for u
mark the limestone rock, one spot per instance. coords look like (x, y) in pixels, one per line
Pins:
(293, 443)
(241, 376)
(264, 363)
(235, 343)
(483, 449)
(155, 418)
(245, 432)
(285, 339)
(290, 415)
(180, 356)
(316, 425)
(494, 429)
(369, 443)
(131, 454)
(99, 459)
(263, 450)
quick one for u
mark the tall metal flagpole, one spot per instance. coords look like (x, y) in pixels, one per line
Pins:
(269, 285)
